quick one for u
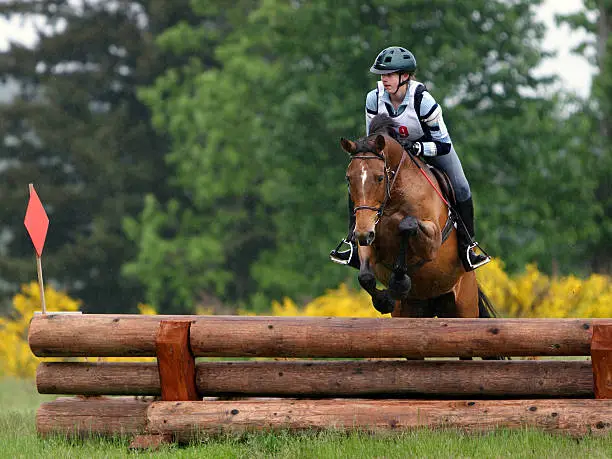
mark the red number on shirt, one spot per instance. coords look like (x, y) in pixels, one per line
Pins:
(403, 131)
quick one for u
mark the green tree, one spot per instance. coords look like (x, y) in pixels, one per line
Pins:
(78, 131)
(595, 18)
(255, 142)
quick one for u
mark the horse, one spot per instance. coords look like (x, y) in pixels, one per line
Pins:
(406, 234)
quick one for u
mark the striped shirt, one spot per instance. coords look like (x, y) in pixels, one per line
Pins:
(436, 140)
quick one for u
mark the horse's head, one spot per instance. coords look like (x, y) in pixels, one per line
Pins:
(370, 175)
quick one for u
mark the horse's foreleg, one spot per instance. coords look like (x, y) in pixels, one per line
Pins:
(426, 239)
(380, 299)
(399, 282)
(420, 237)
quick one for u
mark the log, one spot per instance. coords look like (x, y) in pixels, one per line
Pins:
(459, 379)
(190, 419)
(101, 378)
(184, 421)
(83, 416)
(238, 336)
(98, 335)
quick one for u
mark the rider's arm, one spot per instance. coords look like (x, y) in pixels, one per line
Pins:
(371, 108)
(436, 141)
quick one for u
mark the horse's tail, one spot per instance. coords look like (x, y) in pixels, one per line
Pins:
(487, 310)
(485, 307)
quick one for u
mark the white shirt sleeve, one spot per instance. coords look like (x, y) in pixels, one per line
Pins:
(371, 108)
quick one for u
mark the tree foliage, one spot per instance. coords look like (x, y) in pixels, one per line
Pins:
(595, 19)
(255, 142)
(77, 130)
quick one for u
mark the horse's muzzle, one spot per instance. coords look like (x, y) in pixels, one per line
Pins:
(365, 237)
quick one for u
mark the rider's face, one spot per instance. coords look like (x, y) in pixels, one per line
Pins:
(391, 80)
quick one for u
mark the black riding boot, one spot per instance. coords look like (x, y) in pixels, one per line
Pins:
(471, 260)
(350, 256)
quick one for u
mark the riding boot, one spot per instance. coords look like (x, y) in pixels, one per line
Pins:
(349, 256)
(465, 232)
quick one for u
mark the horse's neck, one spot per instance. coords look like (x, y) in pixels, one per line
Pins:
(414, 190)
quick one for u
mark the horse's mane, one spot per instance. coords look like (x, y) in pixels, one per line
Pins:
(380, 124)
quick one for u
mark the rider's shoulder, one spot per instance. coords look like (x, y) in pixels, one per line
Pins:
(372, 99)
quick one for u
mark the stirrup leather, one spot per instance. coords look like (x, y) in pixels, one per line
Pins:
(333, 256)
(471, 247)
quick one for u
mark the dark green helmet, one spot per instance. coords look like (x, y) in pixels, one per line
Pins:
(394, 59)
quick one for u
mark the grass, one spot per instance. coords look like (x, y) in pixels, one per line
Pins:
(18, 439)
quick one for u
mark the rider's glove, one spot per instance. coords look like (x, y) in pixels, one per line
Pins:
(416, 149)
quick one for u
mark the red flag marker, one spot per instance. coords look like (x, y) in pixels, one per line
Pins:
(37, 223)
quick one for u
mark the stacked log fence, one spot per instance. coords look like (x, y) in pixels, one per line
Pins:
(319, 372)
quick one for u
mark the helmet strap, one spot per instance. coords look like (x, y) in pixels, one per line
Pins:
(400, 82)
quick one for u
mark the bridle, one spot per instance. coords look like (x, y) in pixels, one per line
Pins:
(389, 182)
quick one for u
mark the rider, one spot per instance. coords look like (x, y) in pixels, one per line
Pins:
(419, 120)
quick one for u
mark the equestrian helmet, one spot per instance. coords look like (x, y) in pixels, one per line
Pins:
(394, 59)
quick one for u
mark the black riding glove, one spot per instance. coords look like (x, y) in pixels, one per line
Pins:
(416, 148)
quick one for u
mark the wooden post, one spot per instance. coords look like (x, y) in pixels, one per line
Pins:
(176, 366)
(175, 361)
(601, 354)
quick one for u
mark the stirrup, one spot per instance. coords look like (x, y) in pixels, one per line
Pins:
(333, 255)
(485, 260)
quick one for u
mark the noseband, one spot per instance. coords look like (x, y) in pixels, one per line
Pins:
(389, 182)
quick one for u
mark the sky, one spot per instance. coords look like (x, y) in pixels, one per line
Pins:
(575, 72)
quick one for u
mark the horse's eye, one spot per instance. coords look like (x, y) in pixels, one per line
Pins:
(380, 178)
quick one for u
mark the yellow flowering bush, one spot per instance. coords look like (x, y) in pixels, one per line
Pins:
(16, 359)
(339, 302)
(534, 294)
(529, 294)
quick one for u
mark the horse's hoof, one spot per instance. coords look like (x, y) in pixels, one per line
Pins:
(409, 225)
(399, 286)
(383, 304)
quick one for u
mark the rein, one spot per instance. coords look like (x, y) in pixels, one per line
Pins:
(439, 193)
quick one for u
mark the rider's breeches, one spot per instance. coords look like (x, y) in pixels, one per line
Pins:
(450, 164)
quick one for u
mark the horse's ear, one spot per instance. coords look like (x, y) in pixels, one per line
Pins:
(348, 145)
(380, 143)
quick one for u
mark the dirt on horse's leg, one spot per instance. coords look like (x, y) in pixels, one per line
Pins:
(367, 279)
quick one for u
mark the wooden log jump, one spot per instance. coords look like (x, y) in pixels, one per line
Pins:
(313, 337)
(571, 397)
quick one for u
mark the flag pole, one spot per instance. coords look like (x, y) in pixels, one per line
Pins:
(39, 261)
(40, 284)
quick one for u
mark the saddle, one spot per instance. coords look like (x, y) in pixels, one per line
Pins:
(446, 187)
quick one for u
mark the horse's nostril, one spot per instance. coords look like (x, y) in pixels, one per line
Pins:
(371, 235)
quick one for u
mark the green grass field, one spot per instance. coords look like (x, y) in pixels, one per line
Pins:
(18, 439)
